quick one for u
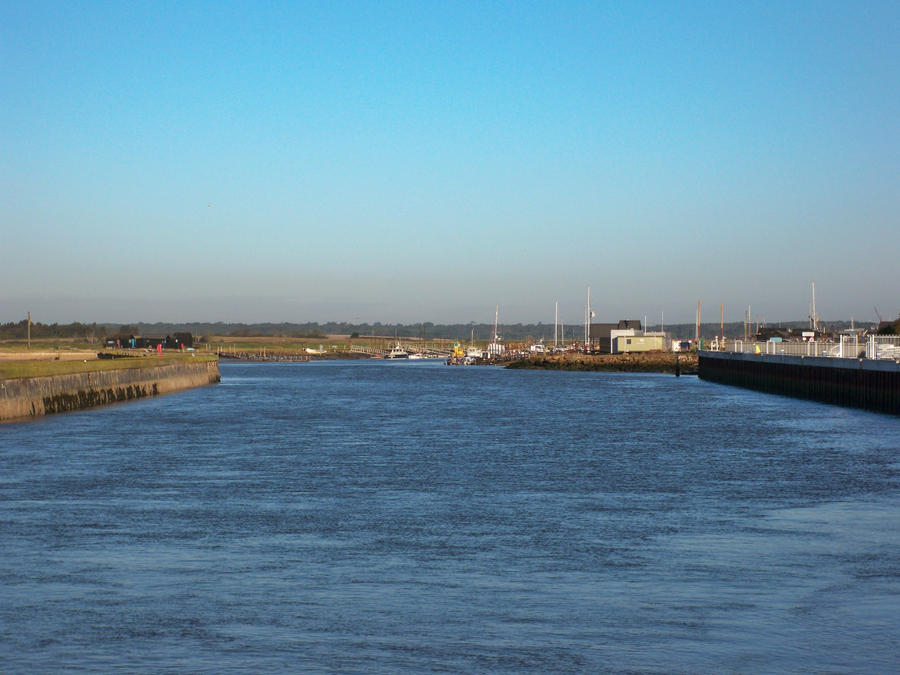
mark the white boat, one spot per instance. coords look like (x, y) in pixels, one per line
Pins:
(496, 348)
(417, 356)
(397, 352)
(475, 353)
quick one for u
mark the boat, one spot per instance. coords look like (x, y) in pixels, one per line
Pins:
(417, 355)
(474, 352)
(496, 348)
(397, 352)
(457, 356)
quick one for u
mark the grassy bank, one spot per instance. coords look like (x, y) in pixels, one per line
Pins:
(11, 369)
(649, 362)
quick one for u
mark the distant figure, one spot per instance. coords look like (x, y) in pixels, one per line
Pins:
(159, 348)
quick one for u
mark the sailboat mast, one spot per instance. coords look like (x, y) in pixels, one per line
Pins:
(587, 318)
(556, 324)
(814, 318)
(496, 318)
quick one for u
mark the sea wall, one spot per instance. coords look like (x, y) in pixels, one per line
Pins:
(857, 383)
(31, 397)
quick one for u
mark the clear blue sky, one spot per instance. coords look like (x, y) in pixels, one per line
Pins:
(401, 161)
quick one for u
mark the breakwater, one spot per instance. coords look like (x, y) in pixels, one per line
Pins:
(857, 383)
(635, 362)
(31, 397)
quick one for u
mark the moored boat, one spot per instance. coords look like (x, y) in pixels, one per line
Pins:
(397, 352)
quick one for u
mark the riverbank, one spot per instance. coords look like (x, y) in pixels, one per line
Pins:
(33, 366)
(88, 384)
(68, 354)
(639, 362)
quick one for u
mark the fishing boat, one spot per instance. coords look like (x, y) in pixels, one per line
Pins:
(457, 356)
(397, 352)
(474, 352)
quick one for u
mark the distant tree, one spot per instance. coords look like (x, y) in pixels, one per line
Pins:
(354, 335)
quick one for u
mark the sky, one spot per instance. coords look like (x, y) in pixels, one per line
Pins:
(423, 161)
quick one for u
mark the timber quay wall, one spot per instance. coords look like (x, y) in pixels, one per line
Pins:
(31, 397)
(856, 383)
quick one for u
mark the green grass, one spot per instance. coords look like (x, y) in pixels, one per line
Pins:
(18, 369)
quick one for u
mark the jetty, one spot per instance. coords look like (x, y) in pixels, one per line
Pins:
(263, 356)
(436, 349)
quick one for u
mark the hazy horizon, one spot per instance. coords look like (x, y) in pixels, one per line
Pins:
(397, 162)
(710, 315)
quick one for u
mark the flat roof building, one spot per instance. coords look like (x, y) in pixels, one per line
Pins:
(603, 335)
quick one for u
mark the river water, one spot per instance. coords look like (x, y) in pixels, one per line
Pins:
(409, 517)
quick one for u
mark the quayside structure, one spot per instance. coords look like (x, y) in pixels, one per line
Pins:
(869, 383)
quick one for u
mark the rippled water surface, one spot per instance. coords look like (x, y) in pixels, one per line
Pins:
(383, 517)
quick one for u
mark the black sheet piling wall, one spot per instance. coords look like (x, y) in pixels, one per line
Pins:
(857, 383)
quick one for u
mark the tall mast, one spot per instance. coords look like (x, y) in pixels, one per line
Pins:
(587, 318)
(813, 317)
(496, 317)
(556, 324)
(699, 302)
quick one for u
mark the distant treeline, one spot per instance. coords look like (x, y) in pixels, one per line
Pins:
(14, 331)
(428, 330)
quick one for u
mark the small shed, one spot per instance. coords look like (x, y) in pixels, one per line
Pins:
(640, 343)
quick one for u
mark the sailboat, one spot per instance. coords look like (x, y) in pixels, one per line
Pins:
(495, 348)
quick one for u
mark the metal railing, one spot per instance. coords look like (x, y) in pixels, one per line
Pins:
(883, 347)
(848, 347)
